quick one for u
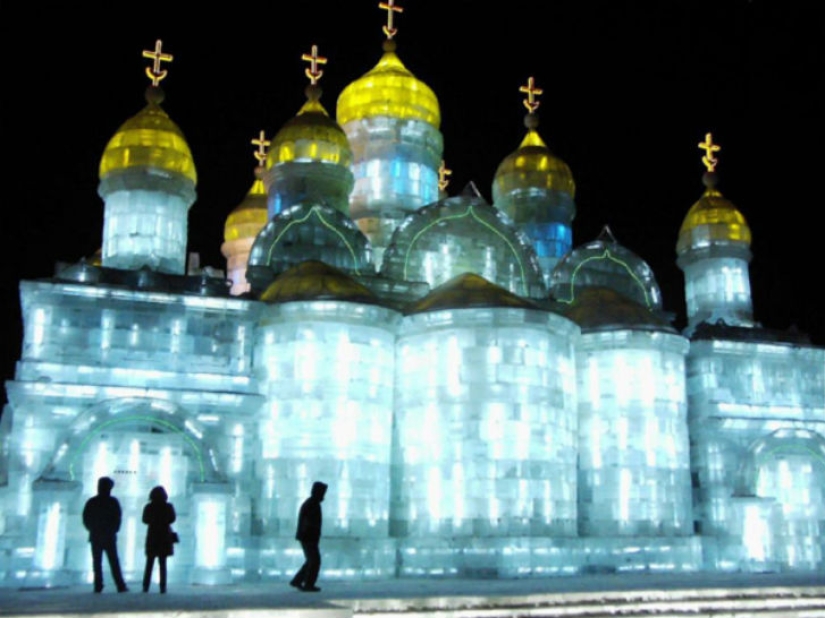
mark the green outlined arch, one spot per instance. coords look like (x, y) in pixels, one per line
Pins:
(607, 255)
(764, 451)
(314, 211)
(148, 413)
(468, 212)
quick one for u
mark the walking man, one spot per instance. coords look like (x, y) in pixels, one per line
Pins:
(101, 517)
(309, 534)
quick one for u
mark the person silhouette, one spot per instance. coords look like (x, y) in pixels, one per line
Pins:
(158, 515)
(309, 534)
(101, 517)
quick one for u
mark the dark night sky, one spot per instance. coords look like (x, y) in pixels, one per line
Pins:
(630, 88)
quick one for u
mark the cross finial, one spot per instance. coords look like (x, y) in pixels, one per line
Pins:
(532, 92)
(313, 72)
(390, 7)
(443, 172)
(709, 147)
(156, 74)
(262, 143)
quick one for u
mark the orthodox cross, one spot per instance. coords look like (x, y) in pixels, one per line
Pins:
(313, 72)
(709, 147)
(390, 7)
(262, 143)
(532, 92)
(443, 172)
(155, 73)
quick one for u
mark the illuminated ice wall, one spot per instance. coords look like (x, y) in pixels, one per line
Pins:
(485, 436)
(482, 397)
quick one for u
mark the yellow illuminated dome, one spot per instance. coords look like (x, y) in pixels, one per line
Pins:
(389, 89)
(310, 136)
(249, 216)
(713, 219)
(532, 165)
(149, 139)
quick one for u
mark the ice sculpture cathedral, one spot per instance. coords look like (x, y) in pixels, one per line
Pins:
(484, 397)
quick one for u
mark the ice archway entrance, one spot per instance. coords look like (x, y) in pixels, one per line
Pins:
(140, 443)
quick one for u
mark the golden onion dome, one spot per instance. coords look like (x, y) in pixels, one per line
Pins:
(310, 136)
(314, 280)
(389, 89)
(712, 219)
(149, 139)
(250, 216)
(532, 165)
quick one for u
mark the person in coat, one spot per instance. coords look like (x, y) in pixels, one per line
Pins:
(158, 515)
(101, 517)
(309, 534)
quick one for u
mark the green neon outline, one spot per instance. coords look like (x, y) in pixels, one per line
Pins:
(470, 211)
(792, 448)
(326, 224)
(157, 421)
(609, 256)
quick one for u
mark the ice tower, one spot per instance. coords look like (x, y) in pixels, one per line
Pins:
(309, 159)
(147, 181)
(308, 181)
(244, 223)
(714, 252)
(392, 121)
(756, 400)
(536, 190)
(630, 368)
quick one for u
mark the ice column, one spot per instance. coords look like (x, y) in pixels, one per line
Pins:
(485, 433)
(327, 367)
(634, 461)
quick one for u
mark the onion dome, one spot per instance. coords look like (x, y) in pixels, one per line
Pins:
(310, 157)
(536, 190)
(463, 234)
(466, 291)
(314, 280)
(149, 142)
(604, 263)
(248, 217)
(310, 136)
(713, 220)
(147, 181)
(389, 89)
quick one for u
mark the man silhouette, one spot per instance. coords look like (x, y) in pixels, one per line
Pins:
(309, 534)
(101, 517)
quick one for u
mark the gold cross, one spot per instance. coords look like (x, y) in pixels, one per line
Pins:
(313, 72)
(709, 147)
(531, 103)
(390, 7)
(155, 73)
(262, 143)
(443, 172)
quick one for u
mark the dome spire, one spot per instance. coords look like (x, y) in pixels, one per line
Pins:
(389, 29)
(443, 181)
(156, 74)
(536, 189)
(713, 251)
(245, 221)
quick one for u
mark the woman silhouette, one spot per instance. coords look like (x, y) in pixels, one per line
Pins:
(158, 515)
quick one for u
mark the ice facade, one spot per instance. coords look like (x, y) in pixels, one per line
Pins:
(478, 405)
